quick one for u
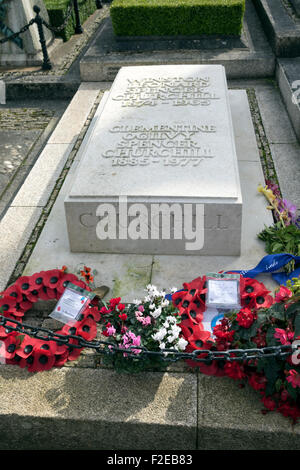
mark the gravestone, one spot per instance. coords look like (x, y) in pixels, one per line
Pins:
(159, 172)
(26, 50)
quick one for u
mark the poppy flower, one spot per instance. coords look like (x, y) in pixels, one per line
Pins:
(25, 304)
(8, 305)
(14, 292)
(87, 329)
(64, 281)
(33, 296)
(42, 360)
(4, 330)
(9, 346)
(47, 294)
(26, 347)
(263, 301)
(36, 281)
(61, 359)
(23, 284)
(51, 278)
(92, 312)
(199, 338)
(194, 311)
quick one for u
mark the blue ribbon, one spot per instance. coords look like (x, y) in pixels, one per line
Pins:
(272, 263)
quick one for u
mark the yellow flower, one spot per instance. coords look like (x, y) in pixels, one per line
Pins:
(268, 193)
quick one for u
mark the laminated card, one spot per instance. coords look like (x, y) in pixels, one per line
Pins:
(158, 171)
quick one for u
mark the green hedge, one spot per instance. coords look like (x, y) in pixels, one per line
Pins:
(57, 10)
(177, 17)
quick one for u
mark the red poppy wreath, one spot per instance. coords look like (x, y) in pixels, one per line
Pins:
(37, 354)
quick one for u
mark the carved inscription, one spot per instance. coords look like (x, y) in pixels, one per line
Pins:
(175, 145)
(176, 91)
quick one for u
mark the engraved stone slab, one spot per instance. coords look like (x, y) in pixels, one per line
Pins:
(162, 146)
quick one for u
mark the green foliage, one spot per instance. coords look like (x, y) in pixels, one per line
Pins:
(279, 239)
(57, 12)
(177, 17)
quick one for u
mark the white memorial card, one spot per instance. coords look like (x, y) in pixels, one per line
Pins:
(223, 293)
(73, 301)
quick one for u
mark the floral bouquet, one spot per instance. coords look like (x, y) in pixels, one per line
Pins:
(263, 321)
(151, 323)
(284, 235)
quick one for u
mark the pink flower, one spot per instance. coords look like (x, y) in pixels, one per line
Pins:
(294, 378)
(147, 321)
(283, 294)
(141, 308)
(111, 330)
(285, 337)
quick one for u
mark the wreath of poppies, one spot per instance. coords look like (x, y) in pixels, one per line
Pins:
(191, 305)
(37, 354)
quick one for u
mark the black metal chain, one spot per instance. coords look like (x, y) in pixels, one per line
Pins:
(15, 35)
(139, 352)
(57, 29)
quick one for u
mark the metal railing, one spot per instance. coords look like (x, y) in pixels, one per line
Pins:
(73, 6)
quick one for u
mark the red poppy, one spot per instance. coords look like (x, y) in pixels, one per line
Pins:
(23, 284)
(87, 329)
(42, 360)
(4, 330)
(14, 292)
(36, 281)
(199, 338)
(263, 301)
(8, 305)
(51, 278)
(92, 312)
(27, 346)
(64, 281)
(47, 294)
(8, 347)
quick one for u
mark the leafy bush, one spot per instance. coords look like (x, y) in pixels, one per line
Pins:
(177, 17)
(57, 10)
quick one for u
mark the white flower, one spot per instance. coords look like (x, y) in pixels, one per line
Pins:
(165, 303)
(137, 302)
(166, 324)
(171, 319)
(147, 298)
(182, 343)
(160, 334)
(171, 338)
(173, 290)
(156, 313)
(175, 329)
(152, 306)
(162, 346)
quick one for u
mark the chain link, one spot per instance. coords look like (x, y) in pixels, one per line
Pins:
(54, 29)
(15, 35)
(57, 29)
(139, 352)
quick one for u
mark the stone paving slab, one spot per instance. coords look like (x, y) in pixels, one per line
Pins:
(230, 418)
(282, 29)
(288, 77)
(103, 58)
(97, 409)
